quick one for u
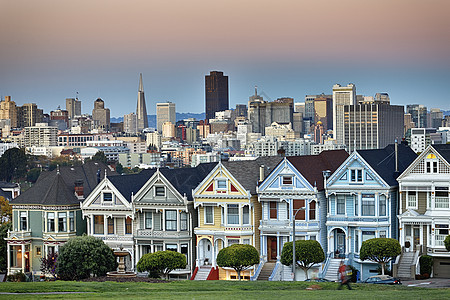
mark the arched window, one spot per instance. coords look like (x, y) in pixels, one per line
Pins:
(312, 210)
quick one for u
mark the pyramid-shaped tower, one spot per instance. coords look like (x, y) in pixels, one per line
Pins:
(141, 109)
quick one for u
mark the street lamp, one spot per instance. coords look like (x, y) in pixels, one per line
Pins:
(294, 214)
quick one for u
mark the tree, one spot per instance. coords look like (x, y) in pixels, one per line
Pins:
(84, 255)
(33, 175)
(6, 210)
(3, 244)
(13, 164)
(307, 254)
(100, 156)
(162, 262)
(447, 243)
(380, 250)
(239, 257)
(48, 264)
(119, 168)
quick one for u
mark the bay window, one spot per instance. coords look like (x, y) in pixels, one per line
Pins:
(99, 224)
(233, 214)
(51, 222)
(368, 205)
(171, 220)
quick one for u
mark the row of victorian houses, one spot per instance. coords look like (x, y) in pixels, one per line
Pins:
(337, 199)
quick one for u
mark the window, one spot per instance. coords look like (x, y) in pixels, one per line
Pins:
(245, 215)
(233, 214)
(50, 222)
(312, 210)
(273, 210)
(221, 184)
(313, 237)
(110, 226)
(356, 242)
(209, 214)
(62, 222)
(172, 247)
(23, 220)
(157, 221)
(411, 200)
(183, 221)
(356, 175)
(128, 226)
(107, 197)
(368, 205)
(148, 220)
(382, 234)
(367, 235)
(184, 250)
(15, 256)
(171, 220)
(356, 201)
(246, 241)
(442, 199)
(233, 241)
(71, 221)
(382, 204)
(99, 223)
(298, 211)
(287, 180)
(340, 204)
(160, 191)
(38, 250)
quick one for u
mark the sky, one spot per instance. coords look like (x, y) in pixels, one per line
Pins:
(52, 49)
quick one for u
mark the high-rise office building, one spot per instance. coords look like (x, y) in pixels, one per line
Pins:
(73, 106)
(8, 111)
(309, 107)
(28, 115)
(130, 123)
(141, 109)
(418, 114)
(436, 118)
(342, 95)
(323, 111)
(165, 112)
(101, 115)
(216, 93)
(372, 125)
(262, 114)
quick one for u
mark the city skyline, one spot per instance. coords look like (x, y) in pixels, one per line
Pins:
(51, 50)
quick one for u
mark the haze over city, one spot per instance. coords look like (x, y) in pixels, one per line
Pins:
(52, 49)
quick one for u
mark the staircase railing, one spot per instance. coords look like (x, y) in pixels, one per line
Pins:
(276, 275)
(325, 266)
(257, 271)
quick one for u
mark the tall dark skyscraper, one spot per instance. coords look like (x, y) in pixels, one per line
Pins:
(141, 109)
(216, 93)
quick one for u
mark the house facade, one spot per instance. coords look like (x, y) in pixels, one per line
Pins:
(229, 212)
(362, 204)
(294, 190)
(425, 207)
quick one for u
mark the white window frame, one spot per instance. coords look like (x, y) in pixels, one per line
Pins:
(408, 206)
(228, 215)
(26, 220)
(356, 171)
(108, 202)
(219, 188)
(248, 207)
(291, 177)
(205, 214)
(156, 190)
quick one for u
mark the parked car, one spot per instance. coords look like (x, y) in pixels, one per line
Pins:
(318, 280)
(382, 279)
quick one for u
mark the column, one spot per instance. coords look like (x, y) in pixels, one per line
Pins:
(178, 221)
(8, 258)
(23, 258)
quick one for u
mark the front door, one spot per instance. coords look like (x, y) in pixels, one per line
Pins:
(416, 231)
(271, 248)
(339, 243)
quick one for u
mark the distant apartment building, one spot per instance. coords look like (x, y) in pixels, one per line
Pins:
(40, 135)
(216, 93)
(309, 107)
(28, 115)
(371, 126)
(81, 140)
(59, 118)
(101, 115)
(327, 145)
(168, 130)
(262, 114)
(146, 160)
(165, 112)
(342, 95)
(408, 123)
(8, 111)
(271, 146)
(418, 114)
(153, 140)
(73, 107)
(130, 123)
(436, 118)
(6, 146)
(202, 158)
(420, 138)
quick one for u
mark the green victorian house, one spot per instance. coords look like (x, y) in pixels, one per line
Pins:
(48, 214)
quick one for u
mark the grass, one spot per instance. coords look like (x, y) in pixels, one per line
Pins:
(213, 290)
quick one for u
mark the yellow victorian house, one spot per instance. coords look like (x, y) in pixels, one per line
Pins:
(228, 213)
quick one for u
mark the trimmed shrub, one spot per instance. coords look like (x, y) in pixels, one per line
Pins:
(426, 264)
(307, 253)
(161, 262)
(239, 257)
(380, 250)
(447, 242)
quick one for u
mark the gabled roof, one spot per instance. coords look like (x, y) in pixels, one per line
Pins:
(247, 172)
(6, 195)
(311, 166)
(444, 151)
(58, 187)
(184, 180)
(382, 161)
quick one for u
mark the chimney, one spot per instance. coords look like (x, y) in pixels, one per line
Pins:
(261, 173)
(79, 188)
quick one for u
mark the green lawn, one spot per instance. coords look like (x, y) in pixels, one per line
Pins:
(215, 290)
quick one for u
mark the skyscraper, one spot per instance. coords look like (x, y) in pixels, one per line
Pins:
(323, 111)
(8, 111)
(130, 123)
(141, 109)
(216, 93)
(342, 95)
(101, 115)
(73, 106)
(418, 114)
(165, 112)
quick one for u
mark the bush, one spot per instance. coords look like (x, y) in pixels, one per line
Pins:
(307, 253)
(426, 264)
(17, 277)
(447, 242)
(84, 256)
(380, 250)
(48, 264)
(161, 262)
(239, 257)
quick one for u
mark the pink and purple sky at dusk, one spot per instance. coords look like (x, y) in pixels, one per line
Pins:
(50, 49)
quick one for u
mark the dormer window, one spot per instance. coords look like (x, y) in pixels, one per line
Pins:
(356, 175)
(160, 191)
(287, 180)
(221, 184)
(107, 197)
(432, 164)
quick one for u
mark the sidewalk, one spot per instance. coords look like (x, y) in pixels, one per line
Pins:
(429, 283)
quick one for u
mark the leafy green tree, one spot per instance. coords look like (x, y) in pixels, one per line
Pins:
(162, 262)
(84, 255)
(239, 257)
(5, 210)
(3, 245)
(100, 156)
(380, 250)
(307, 254)
(13, 164)
(33, 175)
(447, 242)
(119, 168)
